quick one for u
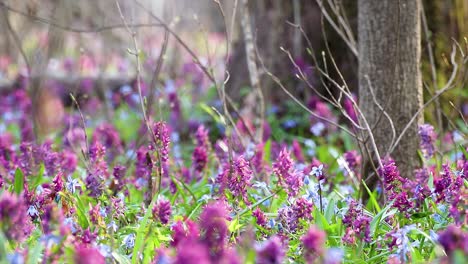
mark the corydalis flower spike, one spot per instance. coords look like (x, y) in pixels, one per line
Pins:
(162, 211)
(161, 134)
(287, 176)
(428, 138)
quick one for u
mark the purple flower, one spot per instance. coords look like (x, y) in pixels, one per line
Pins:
(161, 134)
(357, 223)
(353, 159)
(192, 252)
(58, 183)
(162, 211)
(297, 150)
(144, 165)
(109, 137)
(402, 203)
(199, 158)
(50, 158)
(7, 154)
(14, 220)
(447, 187)
(98, 164)
(213, 228)
(94, 214)
(175, 119)
(88, 255)
(240, 178)
(119, 181)
(202, 136)
(289, 217)
(313, 242)
(94, 184)
(76, 138)
(260, 217)
(270, 252)
(391, 178)
(69, 161)
(454, 238)
(187, 230)
(302, 209)
(257, 160)
(349, 108)
(428, 138)
(287, 176)
(26, 157)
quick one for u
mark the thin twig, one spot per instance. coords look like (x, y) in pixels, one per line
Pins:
(156, 73)
(17, 41)
(349, 42)
(73, 29)
(447, 86)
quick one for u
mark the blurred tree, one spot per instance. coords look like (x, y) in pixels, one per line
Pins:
(390, 77)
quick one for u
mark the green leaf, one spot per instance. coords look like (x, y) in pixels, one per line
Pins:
(372, 198)
(140, 235)
(211, 112)
(39, 176)
(330, 210)
(464, 151)
(320, 220)
(234, 225)
(3, 248)
(381, 215)
(81, 213)
(35, 254)
(257, 203)
(19, 181)
(430, 181)
(267, 151)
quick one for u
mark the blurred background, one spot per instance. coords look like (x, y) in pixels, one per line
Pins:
(52, 48)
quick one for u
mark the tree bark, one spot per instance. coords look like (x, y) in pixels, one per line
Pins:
(389, 63)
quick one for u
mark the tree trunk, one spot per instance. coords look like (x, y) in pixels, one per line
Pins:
(389, 63)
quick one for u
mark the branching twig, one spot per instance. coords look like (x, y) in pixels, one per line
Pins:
(447, 86)
(349, 42)
(17, 40)
(156, 73)
(73, 29)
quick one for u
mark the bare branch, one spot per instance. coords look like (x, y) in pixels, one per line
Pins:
(350, 42)
(447, 87)
(73, 29)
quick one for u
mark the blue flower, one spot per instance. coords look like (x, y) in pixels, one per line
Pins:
(112, 226)
(271, 223)
(72, 184)
(129, 241)
(32, 211)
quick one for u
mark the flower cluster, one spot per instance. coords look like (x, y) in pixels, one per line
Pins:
(287, 176)
(200, 153)
(428, 138)
(162, 211)
(313, 242)
(161, 135)
(240, 178)
(357, 223)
